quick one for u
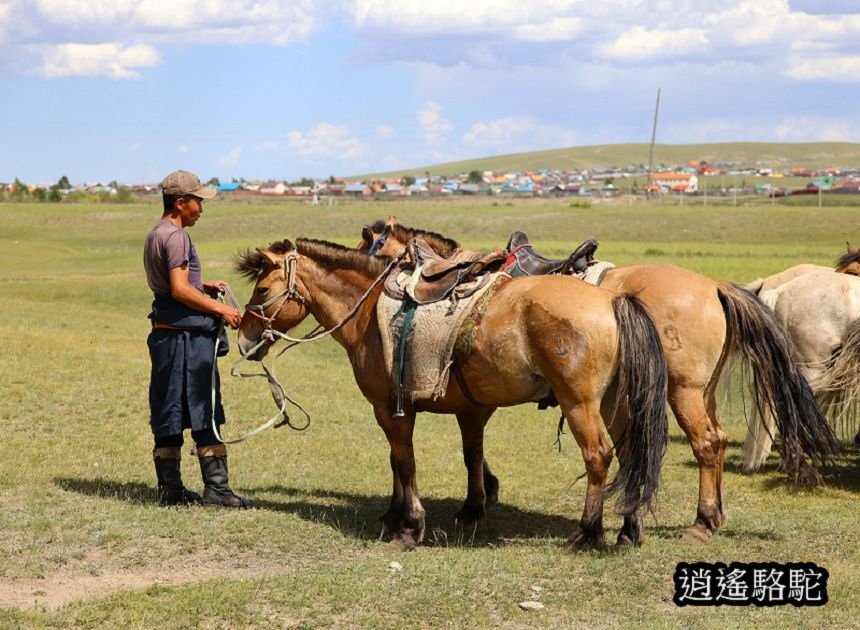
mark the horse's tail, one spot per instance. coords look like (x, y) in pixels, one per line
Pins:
(778, 386)
(838, 387)
(642, 381)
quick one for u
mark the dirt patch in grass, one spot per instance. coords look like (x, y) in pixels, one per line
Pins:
(70, 584)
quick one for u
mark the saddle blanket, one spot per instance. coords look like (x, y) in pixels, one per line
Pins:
(593, 274)
(430, 339)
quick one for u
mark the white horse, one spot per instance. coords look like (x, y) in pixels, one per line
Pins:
(848, 263)
(820, 311)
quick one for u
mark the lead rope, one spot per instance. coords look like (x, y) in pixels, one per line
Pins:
(279, 394)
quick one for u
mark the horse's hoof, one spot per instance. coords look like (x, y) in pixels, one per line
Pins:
(403, 542)
(389, 522)
(626, 541)
(468, 518)
(697, 535)
(580, 541)
(809, 476)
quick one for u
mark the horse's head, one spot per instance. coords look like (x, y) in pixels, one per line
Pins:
(849, 262)
(379, 240)
(279, 299)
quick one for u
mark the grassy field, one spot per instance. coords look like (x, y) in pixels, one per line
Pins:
(83, 544)
(814, 155)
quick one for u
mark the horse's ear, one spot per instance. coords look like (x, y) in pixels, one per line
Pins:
(392, 220)
(848, 247)
(366, 235)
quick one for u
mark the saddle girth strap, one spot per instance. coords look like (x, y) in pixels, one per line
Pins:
(461, 382)
(408, 308)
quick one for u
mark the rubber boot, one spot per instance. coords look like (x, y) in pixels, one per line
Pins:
(167, 470)
(213, 467)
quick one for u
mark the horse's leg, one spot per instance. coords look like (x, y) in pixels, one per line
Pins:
(708, 441)
(472, 423)
(714, 415)
(405, 516)
(491, 484)
(583, 418)
(633, 529)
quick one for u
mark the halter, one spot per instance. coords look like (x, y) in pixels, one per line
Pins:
(270, 335)
(379, 242)
(290, 293)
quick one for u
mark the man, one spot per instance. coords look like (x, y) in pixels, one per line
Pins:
(186, 321)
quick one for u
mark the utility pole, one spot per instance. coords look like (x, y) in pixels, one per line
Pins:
(651, 150)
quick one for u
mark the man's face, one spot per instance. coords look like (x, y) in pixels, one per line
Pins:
(190, 209)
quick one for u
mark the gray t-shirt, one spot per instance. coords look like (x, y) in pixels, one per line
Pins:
(168, 247)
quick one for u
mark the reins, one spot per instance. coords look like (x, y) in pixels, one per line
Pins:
(259, 310)
(279, 394)
(270, 336)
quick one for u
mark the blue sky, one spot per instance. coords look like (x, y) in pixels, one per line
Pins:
(130, 90)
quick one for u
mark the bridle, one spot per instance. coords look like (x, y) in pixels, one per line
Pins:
(290, 293)
(380, 241)
(270, 335)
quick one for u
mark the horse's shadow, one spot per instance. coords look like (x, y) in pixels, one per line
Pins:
(843, 474)
(356, 515)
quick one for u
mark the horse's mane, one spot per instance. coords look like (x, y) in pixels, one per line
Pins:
(250, 264)
(334, 256)
(442, 245)
(847, 258)
(330, 255)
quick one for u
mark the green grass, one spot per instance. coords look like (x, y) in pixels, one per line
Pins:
(77, 505)
(750, 154)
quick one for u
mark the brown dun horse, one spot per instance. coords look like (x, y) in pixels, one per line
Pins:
(700, 322)
(537, 336)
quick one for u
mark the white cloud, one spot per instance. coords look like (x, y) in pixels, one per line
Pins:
(556, 29)
(81, 60)
(515, 134)
(62, 38)
(422, 17)
(327, 141)
(182, 149)
(231, 159)
(815, 129)
(641, 44)
(385, 131)
(433, 127)
(837, 69)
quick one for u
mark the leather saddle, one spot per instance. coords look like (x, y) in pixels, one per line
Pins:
(523, 260)
(434, 278)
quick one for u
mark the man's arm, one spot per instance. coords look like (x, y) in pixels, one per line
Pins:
(186, 293)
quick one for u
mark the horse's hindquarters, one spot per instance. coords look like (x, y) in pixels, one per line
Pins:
(540, 335)
(688, 316)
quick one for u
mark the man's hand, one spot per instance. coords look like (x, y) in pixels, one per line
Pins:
(214, 288)
(230, 315)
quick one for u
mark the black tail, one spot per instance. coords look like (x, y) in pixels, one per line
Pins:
(778, 386)
(642, 390)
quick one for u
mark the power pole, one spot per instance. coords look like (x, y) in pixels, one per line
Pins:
(651, 150)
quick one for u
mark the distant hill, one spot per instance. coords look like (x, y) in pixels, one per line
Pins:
(766, 154)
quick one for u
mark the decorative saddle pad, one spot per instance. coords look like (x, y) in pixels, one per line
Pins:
(431, 337)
